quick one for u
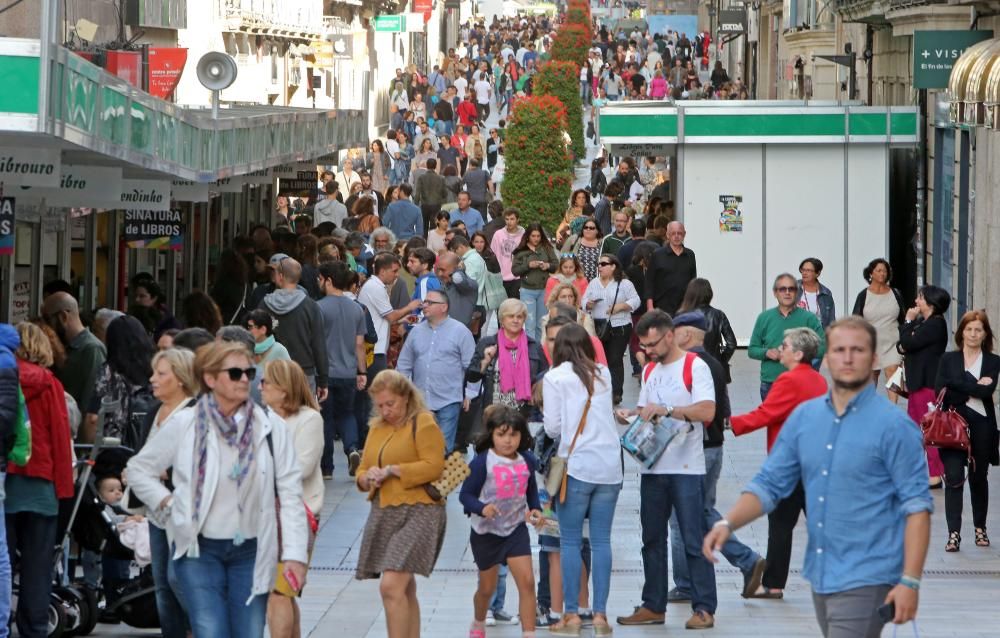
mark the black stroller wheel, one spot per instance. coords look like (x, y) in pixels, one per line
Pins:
(85, 601)
(57, 619)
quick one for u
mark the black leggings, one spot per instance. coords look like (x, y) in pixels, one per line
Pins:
(615, 344)
(982, 436)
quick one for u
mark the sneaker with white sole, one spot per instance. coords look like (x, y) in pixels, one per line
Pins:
(500, 617)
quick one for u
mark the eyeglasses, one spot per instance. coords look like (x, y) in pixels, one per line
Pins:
(650, 346)
(235, 374)
(590, 227)
(786, 289)
(428, 302)
(605, 263)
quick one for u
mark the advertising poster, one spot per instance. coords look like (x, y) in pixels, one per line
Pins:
(731, 217)
(6, 225)
(154, 229)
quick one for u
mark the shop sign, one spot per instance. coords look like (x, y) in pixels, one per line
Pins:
(732, 21)
(303, 184)
(187, 191)
(390, 24)
(6, 225)
(228, 185)
(162, 229)
(20, 307)
(148, 194)
(263, 176)
(79, 185)
(640, 149)
(166, 64)
(29, 166)
(935, 53)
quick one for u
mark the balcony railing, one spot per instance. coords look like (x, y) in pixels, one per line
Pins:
(274, 16)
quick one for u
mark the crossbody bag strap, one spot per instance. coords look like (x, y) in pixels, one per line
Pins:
(579, 428)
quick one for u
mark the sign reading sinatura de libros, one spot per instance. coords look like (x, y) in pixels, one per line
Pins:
(154, 229)
(935, 54)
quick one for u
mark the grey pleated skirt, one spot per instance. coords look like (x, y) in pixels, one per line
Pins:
(403, 538)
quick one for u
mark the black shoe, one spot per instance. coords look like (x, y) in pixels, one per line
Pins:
(677, 596)
(617, 399)
(751, 579)
(353, 461)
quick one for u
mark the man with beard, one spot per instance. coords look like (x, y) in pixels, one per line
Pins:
(85, 354)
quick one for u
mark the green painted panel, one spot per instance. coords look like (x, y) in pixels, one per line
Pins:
(903, 124)
(660, 125)
(755, 125)
(19, 79)
(142, 128)
(866, 123)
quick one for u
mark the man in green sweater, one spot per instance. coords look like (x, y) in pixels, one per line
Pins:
(769, 331)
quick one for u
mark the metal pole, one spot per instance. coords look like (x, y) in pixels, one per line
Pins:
(47, 34)
(921, 234)
(90, 262)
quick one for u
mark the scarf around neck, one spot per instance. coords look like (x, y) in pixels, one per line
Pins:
(515, 373)
(263, 346)
(209, 418)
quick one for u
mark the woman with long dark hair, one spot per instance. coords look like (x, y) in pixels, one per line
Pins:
(534, 259)
(232, 287)
(923, 338)
(378, 164)
(720, 340)
(124, 378)
(200, 311)
(611, 299)
(578, 410)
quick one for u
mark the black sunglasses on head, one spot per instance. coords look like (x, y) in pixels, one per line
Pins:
(235, 374)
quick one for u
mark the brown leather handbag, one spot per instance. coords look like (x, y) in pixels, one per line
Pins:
(945, 429)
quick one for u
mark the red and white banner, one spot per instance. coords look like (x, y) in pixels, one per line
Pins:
(166, 64)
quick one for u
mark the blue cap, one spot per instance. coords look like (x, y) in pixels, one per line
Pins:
(695, 319)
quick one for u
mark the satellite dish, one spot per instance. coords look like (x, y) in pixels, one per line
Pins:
(216, 71)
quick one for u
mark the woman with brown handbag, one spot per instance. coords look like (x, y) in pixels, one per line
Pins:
(577, 408)
(968, 377)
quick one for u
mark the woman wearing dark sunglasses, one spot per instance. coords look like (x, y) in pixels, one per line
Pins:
(230, 458)
(611, 299)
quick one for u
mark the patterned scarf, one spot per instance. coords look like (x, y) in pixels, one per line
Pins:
(209, 417)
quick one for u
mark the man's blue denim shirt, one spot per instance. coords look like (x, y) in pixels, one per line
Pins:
(863, 473)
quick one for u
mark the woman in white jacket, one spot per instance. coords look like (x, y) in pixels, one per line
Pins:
(285, 390)
(221, 513)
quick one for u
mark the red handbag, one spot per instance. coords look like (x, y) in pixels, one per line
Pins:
(945, 428)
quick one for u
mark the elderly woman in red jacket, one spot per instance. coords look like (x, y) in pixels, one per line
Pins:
(34, 490)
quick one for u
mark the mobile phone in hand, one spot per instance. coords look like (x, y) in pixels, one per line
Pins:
(887, 612)
(293, 580)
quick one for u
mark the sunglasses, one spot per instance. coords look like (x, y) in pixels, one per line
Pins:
(590, 227)
(235, 374)
(605, 263)
(786, 289)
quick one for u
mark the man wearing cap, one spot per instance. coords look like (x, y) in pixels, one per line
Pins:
(298, 323)
(799, 383)
(689, 334)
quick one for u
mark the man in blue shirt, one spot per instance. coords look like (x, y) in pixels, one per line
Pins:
(862, 463)
(435, 356)
(403, 217)
(469, 216)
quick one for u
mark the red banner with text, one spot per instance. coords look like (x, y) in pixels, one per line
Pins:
(166, 64)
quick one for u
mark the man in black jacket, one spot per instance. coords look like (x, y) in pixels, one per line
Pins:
(672, 267)
(430, 193)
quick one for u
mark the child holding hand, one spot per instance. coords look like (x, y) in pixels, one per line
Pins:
(501, 497)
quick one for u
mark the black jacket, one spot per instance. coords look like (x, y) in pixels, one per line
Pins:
(859, 304)
(720, 340)
(538, 363)
(922, 342)
(714, 433)
(959, 385)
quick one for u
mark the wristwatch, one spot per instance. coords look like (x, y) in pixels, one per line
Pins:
(670, 411)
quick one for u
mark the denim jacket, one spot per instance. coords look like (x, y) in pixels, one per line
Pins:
(827, 307)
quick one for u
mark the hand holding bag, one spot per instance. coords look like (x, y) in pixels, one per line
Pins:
(897, 382)
(945, 428)
(556, 478)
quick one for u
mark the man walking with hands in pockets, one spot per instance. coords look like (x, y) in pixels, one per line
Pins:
(860, 459)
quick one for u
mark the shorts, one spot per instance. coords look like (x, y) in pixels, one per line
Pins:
(489, 549)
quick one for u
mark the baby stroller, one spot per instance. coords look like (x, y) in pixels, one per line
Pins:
(74, 606)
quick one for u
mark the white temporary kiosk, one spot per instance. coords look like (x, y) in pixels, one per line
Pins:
(762, 185)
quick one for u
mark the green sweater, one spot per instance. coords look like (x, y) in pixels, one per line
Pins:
(534, 278)
(769, 332)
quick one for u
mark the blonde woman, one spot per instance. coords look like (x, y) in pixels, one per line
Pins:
(569, 295)
(174, 385)
(286, 391)
(222, 511)
(405, 529)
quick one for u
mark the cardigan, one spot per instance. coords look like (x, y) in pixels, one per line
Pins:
(859, 304)
(473, 486)
(922, 342)
(419, 456)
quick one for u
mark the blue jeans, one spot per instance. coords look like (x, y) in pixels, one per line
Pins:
(447, 418)
(585, 92)
(735, 552)
(173, 620)
(535, 301)
(5, 576)
(215, 588)
(765, 389)
(339, 417)
(659, 495)
(500, 595)
(596, 502)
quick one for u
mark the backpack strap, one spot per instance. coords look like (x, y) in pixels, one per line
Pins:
(648, 370)
(687, 375)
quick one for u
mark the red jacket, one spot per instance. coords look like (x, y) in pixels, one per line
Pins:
(791, 388)
(467, 113)
(51, 442)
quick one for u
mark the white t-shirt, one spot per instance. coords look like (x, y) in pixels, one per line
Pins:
(483, 90)
(375, 296)
(460, 85)
(665, 386)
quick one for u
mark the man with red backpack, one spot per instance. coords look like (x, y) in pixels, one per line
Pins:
(679, 388)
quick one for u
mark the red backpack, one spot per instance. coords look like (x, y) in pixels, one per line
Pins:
(686, 374)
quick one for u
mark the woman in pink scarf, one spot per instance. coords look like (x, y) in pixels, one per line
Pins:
(508, 363)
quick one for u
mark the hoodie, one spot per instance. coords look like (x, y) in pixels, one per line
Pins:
(299, 327)
(9, 342)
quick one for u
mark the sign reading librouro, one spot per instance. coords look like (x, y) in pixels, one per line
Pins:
(154, 229)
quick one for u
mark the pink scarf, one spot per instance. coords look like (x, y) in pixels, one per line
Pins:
(514, 374)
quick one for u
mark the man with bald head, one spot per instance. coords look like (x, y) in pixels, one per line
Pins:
(462, 290)
(671, 268)
(299, 323)
(85, 354)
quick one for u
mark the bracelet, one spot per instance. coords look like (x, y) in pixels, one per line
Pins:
(910, 581)
(720, 522)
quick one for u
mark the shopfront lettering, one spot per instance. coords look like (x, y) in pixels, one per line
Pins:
(71, 182)
(13, 166)
(138, 196)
